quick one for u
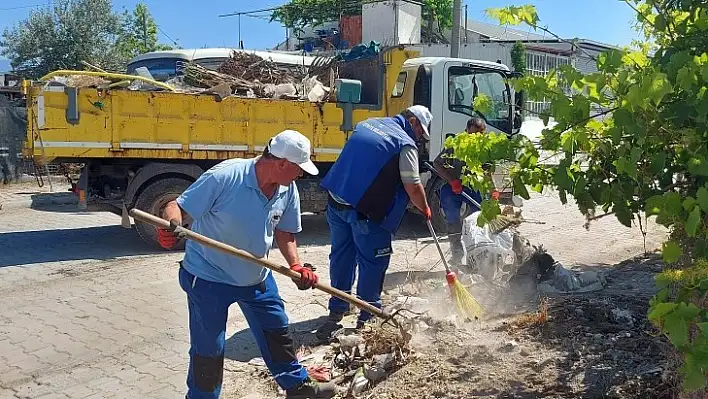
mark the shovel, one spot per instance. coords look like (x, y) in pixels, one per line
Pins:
(162, 223)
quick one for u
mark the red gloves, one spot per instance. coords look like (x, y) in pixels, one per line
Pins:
(167, 238)
(308, 278)
(428, 213)
(456, 186)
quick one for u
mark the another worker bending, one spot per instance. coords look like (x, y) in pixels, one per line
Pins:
(451, 199)
(246, 203)
(370, 186)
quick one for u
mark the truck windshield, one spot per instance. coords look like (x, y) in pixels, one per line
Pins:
(466, 83)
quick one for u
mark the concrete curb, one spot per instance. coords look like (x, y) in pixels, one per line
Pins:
(53, 199)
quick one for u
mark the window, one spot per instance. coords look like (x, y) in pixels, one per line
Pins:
(161, 68)
(464, 84)
(400, 86)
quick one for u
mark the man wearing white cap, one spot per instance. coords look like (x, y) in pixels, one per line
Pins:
(246, 203)
(370, 186)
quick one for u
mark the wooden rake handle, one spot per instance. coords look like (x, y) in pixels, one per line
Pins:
(162, 223)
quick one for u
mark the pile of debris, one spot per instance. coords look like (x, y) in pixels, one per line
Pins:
(253, 68)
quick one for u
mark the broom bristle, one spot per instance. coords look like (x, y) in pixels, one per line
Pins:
(466, 304)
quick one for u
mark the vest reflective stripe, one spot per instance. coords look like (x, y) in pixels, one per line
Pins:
(366, 173)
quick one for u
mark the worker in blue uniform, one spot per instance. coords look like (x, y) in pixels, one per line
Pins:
(246, 203)
(370, 186)
(451, 198)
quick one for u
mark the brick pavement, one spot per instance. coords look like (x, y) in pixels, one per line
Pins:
(89, 311)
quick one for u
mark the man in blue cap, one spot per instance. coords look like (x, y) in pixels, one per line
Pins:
(370, 186)
(246, 203)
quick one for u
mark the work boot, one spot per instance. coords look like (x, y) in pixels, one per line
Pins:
(311, 389)
(324, 333)
(454, 231)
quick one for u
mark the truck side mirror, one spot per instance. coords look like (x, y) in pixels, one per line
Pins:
(519, 99)
(348, 90)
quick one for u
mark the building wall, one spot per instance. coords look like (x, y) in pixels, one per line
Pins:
(379, 22)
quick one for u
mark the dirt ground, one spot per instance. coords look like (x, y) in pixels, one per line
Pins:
(597, 345)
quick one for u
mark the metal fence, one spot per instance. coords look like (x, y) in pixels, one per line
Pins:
(539, 64)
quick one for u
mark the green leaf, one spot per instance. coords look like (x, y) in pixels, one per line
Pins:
(698, 166)
(671, 252)
(609, 61)
(520, 188)
(688, 311)
(658, 87)
(693, 222)
(676, 329)
(490, 210)
(623, 214)
(689, 203)
(482, 104)
(653, 205)
(660, 310)
(702, 198)
(693, 376)
(658, 162)
(704, 328)
(686, 77)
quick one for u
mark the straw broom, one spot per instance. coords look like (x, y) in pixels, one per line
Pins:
(465, 303)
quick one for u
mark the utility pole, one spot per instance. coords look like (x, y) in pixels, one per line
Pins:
(466, 6)
(455, 40)
(145, 34)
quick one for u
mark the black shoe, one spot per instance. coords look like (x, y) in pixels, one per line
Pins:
(327, 330)
(311, 389)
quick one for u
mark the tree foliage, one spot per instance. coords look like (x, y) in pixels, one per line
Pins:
(631, 140)
(518, 57)
(139, 33)
(72, 31)
(297, 14)
(61, 36)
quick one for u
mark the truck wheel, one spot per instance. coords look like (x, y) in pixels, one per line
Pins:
(153, 199)
(438, 220)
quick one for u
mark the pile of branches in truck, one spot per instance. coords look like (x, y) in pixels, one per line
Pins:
(254, 68)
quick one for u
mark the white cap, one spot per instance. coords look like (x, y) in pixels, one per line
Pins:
(293, 146)
(424, 117)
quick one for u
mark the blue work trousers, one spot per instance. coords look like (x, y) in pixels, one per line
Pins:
(357, 241)
(265, 313)
(452, 203)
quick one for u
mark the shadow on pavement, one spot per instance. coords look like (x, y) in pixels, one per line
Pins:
(40, 246)
(241, 346)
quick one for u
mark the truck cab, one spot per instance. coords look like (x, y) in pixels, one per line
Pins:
(448, 87)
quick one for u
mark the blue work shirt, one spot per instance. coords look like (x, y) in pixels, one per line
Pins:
(227, 205)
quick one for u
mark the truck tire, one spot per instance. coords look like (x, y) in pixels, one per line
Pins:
(438, 220)
(153, 199)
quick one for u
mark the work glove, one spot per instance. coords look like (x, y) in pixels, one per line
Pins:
(456, 186)
(167, 238)
(428, 213)
(308, 278)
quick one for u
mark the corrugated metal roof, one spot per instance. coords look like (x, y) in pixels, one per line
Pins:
(498, 32)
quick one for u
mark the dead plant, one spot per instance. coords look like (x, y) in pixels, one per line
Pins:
(532, 319)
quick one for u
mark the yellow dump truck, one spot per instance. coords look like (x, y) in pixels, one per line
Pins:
(143, 148)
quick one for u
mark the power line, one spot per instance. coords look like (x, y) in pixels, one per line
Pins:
(23, 7)
(166, 35)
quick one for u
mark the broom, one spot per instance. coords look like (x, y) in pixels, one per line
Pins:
(496, 225)
(464, 301)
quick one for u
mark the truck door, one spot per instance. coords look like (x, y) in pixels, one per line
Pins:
(464, 84)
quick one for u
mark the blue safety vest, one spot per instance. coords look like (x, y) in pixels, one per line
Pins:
(366, 174)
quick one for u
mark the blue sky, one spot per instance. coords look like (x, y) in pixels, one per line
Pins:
(196, 24)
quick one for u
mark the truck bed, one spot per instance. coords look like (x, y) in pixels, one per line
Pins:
(177, 126)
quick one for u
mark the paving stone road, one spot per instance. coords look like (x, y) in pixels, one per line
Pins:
(89, 311)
